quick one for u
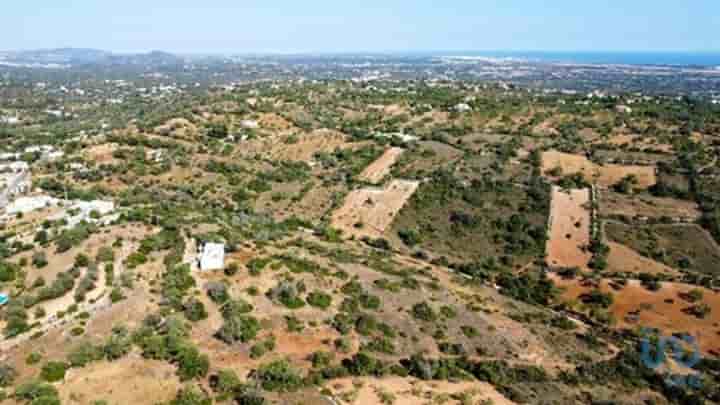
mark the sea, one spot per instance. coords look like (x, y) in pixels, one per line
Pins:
(701, 59)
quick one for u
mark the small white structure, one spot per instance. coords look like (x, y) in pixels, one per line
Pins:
(623, 109)
(212, 256)
(10, 120)
(399, 135)
(28, 204)
(54, 155)
(462, 108)
(249, 124)
(9, 156)
(15, 167)
(79, 211)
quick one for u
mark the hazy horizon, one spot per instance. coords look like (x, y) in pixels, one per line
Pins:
(225, 27)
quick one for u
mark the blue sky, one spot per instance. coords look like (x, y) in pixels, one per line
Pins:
(212, 26)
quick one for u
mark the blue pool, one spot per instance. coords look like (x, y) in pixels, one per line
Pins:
(3, 299)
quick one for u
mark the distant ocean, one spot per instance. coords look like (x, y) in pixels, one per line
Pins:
(706, 59)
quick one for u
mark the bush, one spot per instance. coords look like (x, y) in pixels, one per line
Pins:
(189, 396)
(105, 255)
(258, 350)
(225, 382)
(7, 375)
(191, 364)
(217, 292)
(81, 260)
(37, 392)
(319, 299)
(238, 329)
(8, 272)
(39, 259)
(195, 310)
(231, 269)
(287, 294)
(424, 312)
(278, 376)
(85, 354)
(410, 237)
(597, 298)
(53, 371)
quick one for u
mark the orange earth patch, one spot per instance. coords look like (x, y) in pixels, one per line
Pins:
(634, 306)
(569, 226)
(604, 175)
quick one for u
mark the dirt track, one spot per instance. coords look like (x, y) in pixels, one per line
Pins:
(380, 168)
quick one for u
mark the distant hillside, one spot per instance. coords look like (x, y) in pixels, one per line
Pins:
(82, 56)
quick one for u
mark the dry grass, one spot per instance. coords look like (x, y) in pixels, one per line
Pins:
(613, 204)
(605, 176)
(370, 211)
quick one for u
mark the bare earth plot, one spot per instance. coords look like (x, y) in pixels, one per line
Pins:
(410, 391)
(380, 168)
(129, 380)
(615, 204)
(302, 149)
(635, 305)
(676, 245)
(623, 259)
(369, 211)
(569, 228)
(605, 175)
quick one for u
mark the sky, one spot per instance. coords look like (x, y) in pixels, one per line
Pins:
(324, 26)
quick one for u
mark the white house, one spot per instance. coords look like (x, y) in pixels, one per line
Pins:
(212, 256)
(249, 124)
(623, 109)
(462, 108)
(28, 204)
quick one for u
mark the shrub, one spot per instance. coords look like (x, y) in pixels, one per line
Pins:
(469, 331)
(7, 375)
(195, 310)
(424, 312)
(217, 292)
(448, 311)
(191, 364)
(319, 299)
(287, 294)
(278, 376)
(410, 237)
(8, 272)
(238, 328)
(53, 371)
(84, 354)
(231, 269)
(368, 301)
(225, 382)
(258, 350)
(37, 392)
(189, 396)
(39, 259)
(105, 255)
(81, 260)
(598, 298)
